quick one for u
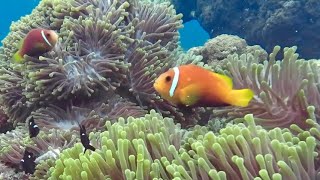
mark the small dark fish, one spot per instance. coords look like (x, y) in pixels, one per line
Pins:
(27, 162)
(33, 128)
(85, 139)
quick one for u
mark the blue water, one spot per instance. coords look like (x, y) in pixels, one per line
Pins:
(12, 10)
(191, 35)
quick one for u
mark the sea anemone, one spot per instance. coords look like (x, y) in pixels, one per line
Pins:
(284, 89)
(105, 48)
(4, 124)
(126, 141)
(13, 101)
(48, 140)
(155, 23)
(68, 120)
(93, 116)
(117, 107)
(90, 57)
(155, 147)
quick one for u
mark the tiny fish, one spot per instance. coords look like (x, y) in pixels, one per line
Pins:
(28, 162)
(85, 139)
(37, 42)
(191, 85)
(33, 128)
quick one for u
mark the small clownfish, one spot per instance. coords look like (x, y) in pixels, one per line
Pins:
(33, 128)
(85, 139)
(191, 85)
(28, 162)
(37, 42)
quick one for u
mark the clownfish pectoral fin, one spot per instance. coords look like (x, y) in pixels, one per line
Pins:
(189, 95)
(240, 97)
(40, 46)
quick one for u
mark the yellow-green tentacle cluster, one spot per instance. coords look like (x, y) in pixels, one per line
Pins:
(153, 147)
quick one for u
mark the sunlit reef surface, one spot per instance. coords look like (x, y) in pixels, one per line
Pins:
(100, 74)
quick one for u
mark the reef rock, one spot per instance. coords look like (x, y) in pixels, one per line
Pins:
(267, 23)
(218, 49)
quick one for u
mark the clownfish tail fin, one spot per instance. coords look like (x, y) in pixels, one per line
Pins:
(17, 58)
(240, 97)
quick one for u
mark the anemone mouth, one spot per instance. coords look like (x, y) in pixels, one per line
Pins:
(103, 31)
(69, 119)
(64, 74)
(92, 115)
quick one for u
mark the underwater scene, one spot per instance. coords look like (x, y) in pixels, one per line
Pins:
(160, 90)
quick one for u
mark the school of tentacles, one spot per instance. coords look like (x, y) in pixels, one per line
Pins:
(101, 74)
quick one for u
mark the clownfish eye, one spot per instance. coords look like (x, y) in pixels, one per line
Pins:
(168, 79)
(48, 34)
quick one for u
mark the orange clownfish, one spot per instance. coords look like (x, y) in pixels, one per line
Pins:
(191, 85)
(37, 41)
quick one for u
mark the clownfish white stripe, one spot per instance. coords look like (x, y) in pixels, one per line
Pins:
(174, 81)
(45, 38)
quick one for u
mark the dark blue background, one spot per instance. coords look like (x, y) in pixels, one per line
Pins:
(192, 34)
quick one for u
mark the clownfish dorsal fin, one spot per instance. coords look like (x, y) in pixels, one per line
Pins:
(226, 78)
(174, 81)
(189, 95)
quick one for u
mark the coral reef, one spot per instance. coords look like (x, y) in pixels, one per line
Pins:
(267, 23)
(100, 75)
(219, 48)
